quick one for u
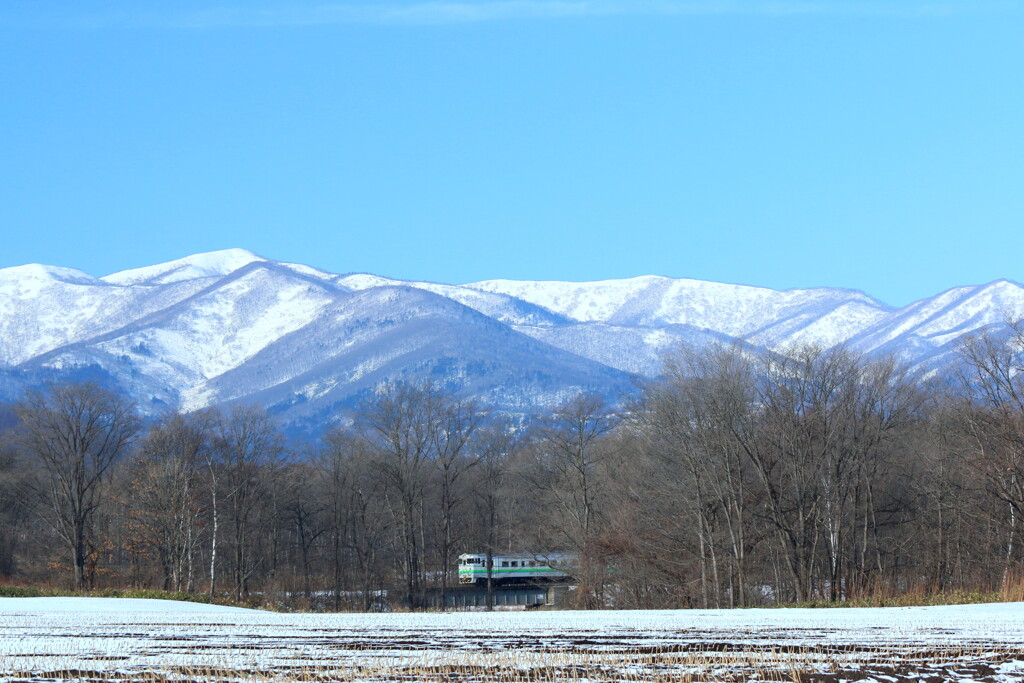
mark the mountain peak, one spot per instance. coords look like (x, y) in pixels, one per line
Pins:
(34, 272)
(207, 264)
(1003, 284)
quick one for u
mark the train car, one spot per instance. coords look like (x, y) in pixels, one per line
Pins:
(521, 568)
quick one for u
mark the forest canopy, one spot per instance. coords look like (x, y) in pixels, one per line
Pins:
(736, 479)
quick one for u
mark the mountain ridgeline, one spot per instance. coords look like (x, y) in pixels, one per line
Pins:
(233, 327)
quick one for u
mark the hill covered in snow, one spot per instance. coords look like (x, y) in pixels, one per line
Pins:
(231, 326)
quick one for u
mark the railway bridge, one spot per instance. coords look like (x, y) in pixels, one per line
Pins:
(527, 595)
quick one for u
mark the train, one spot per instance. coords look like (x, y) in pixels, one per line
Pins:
(516, 569)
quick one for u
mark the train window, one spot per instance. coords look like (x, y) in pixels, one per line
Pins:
(532, 563)
(504, 563)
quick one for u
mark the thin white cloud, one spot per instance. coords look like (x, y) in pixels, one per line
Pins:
(439, 12)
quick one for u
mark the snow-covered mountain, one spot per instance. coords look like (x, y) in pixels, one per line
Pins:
(231, 326)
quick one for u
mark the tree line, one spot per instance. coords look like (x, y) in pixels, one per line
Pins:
(737, 478)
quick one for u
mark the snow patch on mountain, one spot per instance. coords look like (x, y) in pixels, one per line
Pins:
(32, 276)
(736, 310)
(580, 301)
(502, 307)
(824, 325)
(939, 321)
(637, 350)
(43, 308)
(225, 326)
(352, 347)
(210, 264)
(360, 281)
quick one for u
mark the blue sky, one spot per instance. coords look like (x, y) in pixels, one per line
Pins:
(873, 145)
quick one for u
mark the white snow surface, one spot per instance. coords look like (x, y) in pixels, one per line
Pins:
(210, 264)
(996, 623)
(98, 634)
(44, 308)
(735, 310)
(39, 607)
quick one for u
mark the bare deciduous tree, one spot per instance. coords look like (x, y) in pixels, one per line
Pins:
(397, 426)
(496, 444)
(992, 378)
(250, 448)
(697, 419)
(165, 493)
(454, 423)
(78, 432)
(567, 454)
(358, 517)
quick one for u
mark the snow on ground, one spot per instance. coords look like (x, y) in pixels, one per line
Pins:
(40, 607)
(42, 637)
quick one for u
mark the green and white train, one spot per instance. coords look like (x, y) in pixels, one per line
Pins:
(509, 569)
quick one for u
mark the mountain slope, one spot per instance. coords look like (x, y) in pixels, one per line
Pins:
(42, 308)
(232, 326)
(300, 341)
(210, 264)
(925, 326)
(351, 348)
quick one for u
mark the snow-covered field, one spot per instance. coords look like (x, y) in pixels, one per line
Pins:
(43, 639)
